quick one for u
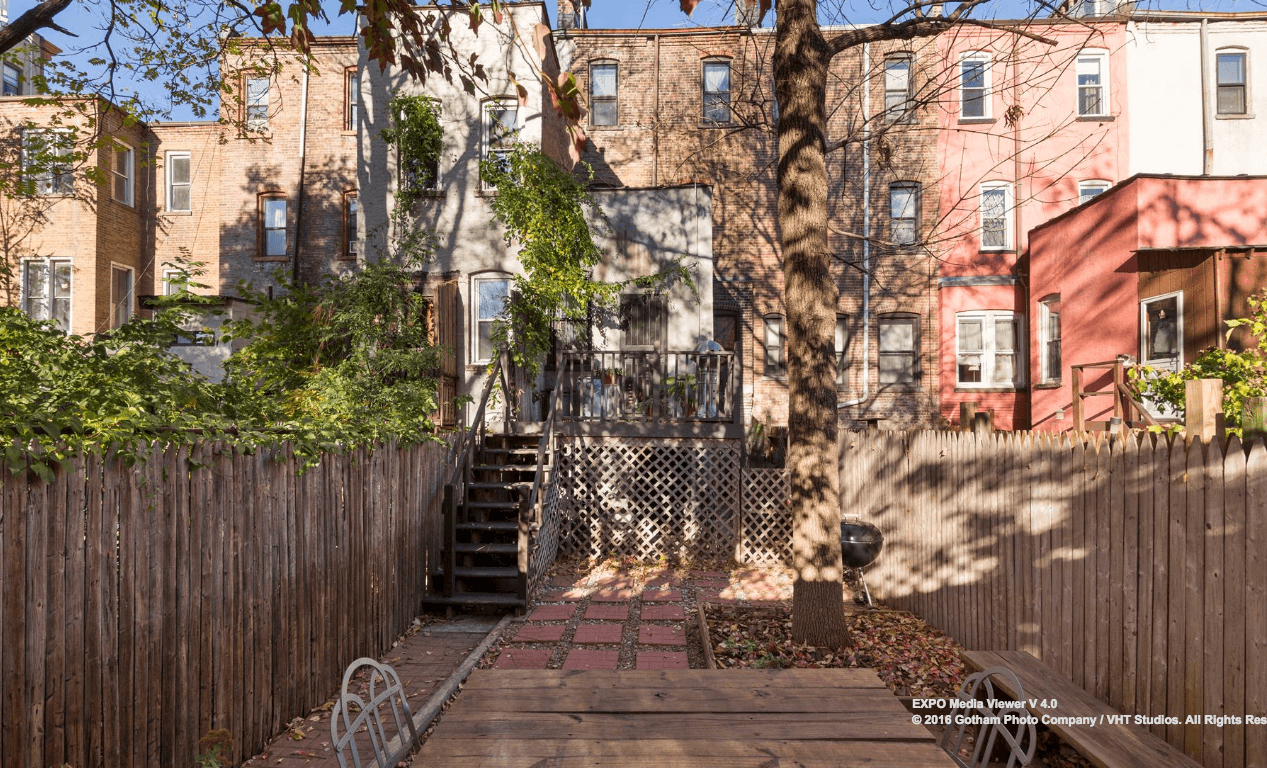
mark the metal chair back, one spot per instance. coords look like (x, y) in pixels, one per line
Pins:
(1014, 725)
(389, 740)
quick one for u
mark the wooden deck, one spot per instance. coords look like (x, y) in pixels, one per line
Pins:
(813, 718)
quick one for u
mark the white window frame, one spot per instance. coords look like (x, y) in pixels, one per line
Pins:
(1143, 329)
(57, 180)
(914, 353)
(987, 89)
(725, 97)
(1244, 84)
(351, 225)
(1008, 214)
(264, 199)
(1101, 57)
(171, 157)
(774, 343)
(17, 80)
(990, 350)
(1047, 308)
(898, 107)
(127, 175)
(1090, 189)
(257, 121)
(476, 280)
(167, 286)
(50, 263)
(486, 145)
(914, 188)
(842, 351)
(130, 299)
(614, 97)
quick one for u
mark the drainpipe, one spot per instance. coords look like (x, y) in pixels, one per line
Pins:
(866, 233)
(303, 145)
(655, 125)
(1207, 120)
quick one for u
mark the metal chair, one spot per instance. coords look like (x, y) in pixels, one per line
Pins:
(1014, 724)
(366, 715)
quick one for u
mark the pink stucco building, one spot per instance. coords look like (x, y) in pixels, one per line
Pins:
(1149, 271)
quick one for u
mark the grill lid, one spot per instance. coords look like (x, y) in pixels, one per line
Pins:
(856, 531)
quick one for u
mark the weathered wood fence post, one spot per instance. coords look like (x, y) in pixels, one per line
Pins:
(1203, 408)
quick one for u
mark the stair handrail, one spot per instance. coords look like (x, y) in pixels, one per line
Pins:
(466, 447)
(1123, 398)
(546, 443)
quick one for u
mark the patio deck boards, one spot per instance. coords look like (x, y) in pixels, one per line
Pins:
(678, 719)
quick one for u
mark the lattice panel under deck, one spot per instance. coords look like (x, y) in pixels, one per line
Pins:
(545, 544)
(767, 516)
(644, 498)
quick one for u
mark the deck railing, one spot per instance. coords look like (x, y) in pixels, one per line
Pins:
(648, 386)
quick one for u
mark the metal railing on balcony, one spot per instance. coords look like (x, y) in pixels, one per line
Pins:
(637, 386)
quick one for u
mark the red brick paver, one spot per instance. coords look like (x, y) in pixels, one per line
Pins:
(662, 660)
(523, 658)
(662, 596)
(552, 613)
(540, 633)
(612, 595)
(580, 658)
(662, 613)
(618, 612)
(597, 633)
(653, 634)
(574, 595)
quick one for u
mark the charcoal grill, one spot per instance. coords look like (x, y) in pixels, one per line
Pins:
(860, 545)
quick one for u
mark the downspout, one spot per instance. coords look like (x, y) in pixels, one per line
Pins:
(1207, 122)
(655, 125)
(303, 145)
(866, 233)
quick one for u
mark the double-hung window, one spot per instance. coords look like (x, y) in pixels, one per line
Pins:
(1049, 371)
(897, 88)
(1087, 190)
(46, 287)
(351, 233)
(256, 103)
(491, 294)
(1229, 69)
(171, 283)
(272, 225)
(842, 351)
(351, 100)
(12, 80)
(996, 216)
(122, 295)
(974, 86)
(122, 173)
(604, 87)
(178, 181)
(904, 213)
(501, 128)
(716, 88)
(1092, 69)
(985, 351)
(46, 156)
(775, 346)
(899, 348)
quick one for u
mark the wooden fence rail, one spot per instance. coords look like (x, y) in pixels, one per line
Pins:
(141, 607)
(1136, 568)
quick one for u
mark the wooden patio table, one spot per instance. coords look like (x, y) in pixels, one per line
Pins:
(678, 719)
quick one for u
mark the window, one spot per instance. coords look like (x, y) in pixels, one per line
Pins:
(122, 297)
(256, 103)
(603, 87)
(996, 216)
(904, 213)
(974, 86)
(351, 227)
(1049, 340)
(1089, 189)
(986, 349)
(716, 91)
(1092, 8)
(644, 319)
(46, 287)
(842, 351)
(1229, 68)
(178, 182)
(775, 346)
(491, 294)
(1161, 331)
(897, 89)
(12, 80)
(171, 286)
(121, 172)
(351, 100)
(272, 226)
(1092, 70)
(501, 127)
(899, 349)
(420, 173)
(46, 161)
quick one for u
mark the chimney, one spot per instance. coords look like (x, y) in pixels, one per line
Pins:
(936, 10)
(747, 13)
(571, 14)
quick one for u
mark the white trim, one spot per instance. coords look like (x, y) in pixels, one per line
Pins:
(1143, 328)
(476, 279)
(70, 296)
(163, 286)
(486, 106)
(1102, 58)
(167, 171)
(128, 175)
(1243, 52)
(987, 96)
(989, 350)
(1044, 316)
(1086, 185)
(132, 304)
(1008, 213)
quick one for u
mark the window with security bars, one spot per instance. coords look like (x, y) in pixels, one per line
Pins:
(904, 213)
(986, 345)
(897, 89)
(256, 103)
(996, 216)
(46, 161)
(179, 184)
(604, 109)
(899, 349)
(1229, 69)
(644, 319)
(974, 86)
(46, 285)
(716, 87)
(1092, 69)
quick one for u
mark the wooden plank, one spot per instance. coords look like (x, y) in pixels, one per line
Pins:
(1161, 581)
(56, 608)
(13, 537)
(36, 618)
(1064, 536)
(1234, 600)
(114, 579)
(1100, 546)
(1194, 604)
(220, 621)
(75, 622)
(96, 589)
(1116, 585)
(1256, 602)
(1175, 645)
(1147, 568)
(1082, 489)
(161, 705)
(1212, 660)
(1131, 490)
(237, 596)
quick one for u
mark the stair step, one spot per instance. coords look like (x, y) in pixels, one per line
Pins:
(505, 467)
(512, 451)
(498, 525)
(484, 572)
(474, 598)
(487, 549)
(500, 486)
(491, 504)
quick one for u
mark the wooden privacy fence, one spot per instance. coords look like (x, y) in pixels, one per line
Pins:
(1137, 568)
(141, 607)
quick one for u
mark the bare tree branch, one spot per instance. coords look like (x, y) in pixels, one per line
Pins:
(39, 17)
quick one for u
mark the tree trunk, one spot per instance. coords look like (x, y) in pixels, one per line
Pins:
(801, 58)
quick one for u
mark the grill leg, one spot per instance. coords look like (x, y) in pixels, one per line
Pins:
(857, 572)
